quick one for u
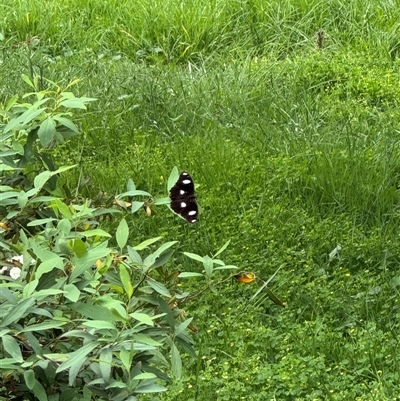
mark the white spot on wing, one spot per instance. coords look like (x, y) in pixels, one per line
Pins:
(186, 182)
(181, 192)
(183, 204)
(192, 213)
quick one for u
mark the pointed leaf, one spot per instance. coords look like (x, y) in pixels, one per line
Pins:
(122, 233)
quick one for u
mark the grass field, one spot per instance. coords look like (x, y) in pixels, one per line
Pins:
(286, 114)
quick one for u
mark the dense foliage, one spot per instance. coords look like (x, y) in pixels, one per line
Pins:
(287, 117)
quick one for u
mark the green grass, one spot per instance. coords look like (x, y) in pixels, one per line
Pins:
(294, 150)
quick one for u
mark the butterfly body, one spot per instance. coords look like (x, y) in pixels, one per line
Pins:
(183, 198)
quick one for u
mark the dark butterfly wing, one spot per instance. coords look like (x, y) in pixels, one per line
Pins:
(183, 198)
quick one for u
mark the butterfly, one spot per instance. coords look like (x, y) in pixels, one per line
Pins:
(183, 198)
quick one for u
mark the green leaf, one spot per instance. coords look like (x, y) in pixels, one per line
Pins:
(135, 192)
(71, 292)
(181, 328)
(130, 185)
(47, 325)
(136, 206)
(41, 179)
(78, 247)
(173, 178)
(49, 260)
(194, 256)
(126, 358)
(160, 288)
(64, 226)
(76, 359)
(142, 318)
(30, 288)
(76, 103)
(122, 233)
(87, 261)
(67, 123)
(39, 392)
(208, 266)
(135, 257)
(176, 362)
(105, 362)
(27, 80)
(11, 346)
(146, 243)
(97, 232)
(149, 388)
(47, 131)
(40, 222)
(93, 311)
(126, 280)
(30, 380)
(17, 312)
(100, 325)
(190, 274)
(222, 249)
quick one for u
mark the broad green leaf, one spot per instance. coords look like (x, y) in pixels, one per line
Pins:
(194, 256)
(100, 325)
(47, 325)
(64, 226)
(88, 261)
(28, 81)
(40, 222)
(136, 192)
(22, 199)
(95, 312)
(17, 312)
(30, 380)
(135, 257)
(10, 103)
(49, 260)
(142, 318)
(149, 388)
(71, 292)
(62, 208)
(125, 357)
(160, 288)
(173, 178)
(78, 247)
(208, 266)
(47, 131)
(97, 232)
(73, 104)
(146, 243)
(163, 248)
(122, 233)
(190, 274)
(163, 259)
(39, 392)
(126, 280)
(105, 363)
(144, 376)
(222, 249)
(130, 185)
(136, 206)
(30, 288)
(162, 201)
(67, 123)
(176, 362)
(181, 328)
(11, 346)
(76, 359)
(41, 179)
(225, 267)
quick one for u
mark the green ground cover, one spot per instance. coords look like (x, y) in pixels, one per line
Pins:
(286, 114)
